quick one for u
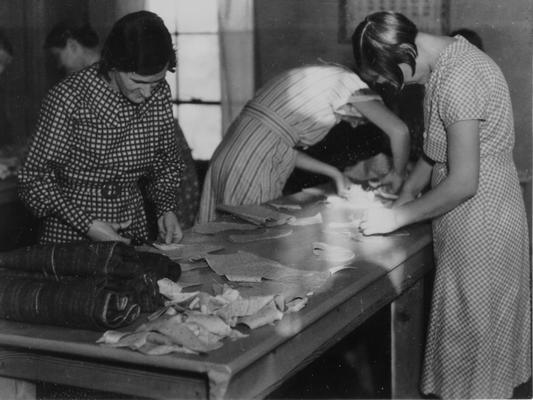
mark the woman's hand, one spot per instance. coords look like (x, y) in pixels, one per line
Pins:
(169, 228)
(392, 182)
(101, 231)
(379, 220)
(405, 197)
(342, 184)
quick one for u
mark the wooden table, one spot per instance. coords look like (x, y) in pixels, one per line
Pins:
(388, 271)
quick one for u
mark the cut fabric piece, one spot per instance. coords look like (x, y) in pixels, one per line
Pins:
(211, 228)
(286, 206)
(188, 252)
(266, 315)
(243, 266)
(247, 264)
(304, 221)
(257, 214)
(266, 235)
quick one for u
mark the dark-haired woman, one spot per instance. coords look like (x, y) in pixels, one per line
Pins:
(73, 46)
(295, 109)
(479, 338)
(102, 129)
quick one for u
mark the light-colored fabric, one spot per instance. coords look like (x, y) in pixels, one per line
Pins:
(236, 35)
(258, 153)
(479, 339)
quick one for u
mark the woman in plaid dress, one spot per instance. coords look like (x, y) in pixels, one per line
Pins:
(101, 130)
(478, 343)
(295, 109)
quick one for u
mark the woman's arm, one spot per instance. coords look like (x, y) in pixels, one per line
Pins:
(310, 164)
(460, 184)
(398, 133)
(418, 179)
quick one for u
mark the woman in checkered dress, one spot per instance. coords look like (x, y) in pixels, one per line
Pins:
(99, 131)
(295, 109)
(479, 338)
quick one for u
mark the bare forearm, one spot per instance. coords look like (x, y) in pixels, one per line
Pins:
(307, 163)
(436, 202)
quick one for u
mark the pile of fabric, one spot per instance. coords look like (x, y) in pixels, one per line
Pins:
(89, 285)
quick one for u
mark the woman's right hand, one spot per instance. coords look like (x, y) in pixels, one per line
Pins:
(405, 197)
(101, 231)
(342, 184)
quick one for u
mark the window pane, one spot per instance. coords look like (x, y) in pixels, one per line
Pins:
(166, 9)
(201, 126)
(199, 69)
(196, 15)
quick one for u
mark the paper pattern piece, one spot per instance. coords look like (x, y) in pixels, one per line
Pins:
(212, 228)
(335, 254)
(257, 214)
(285, 206)
(315, 219)
(247, 264)
(268, 234)
(188, 252)
(247, 267)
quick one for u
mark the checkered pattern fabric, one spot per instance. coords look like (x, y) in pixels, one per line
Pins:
(88, 153)
(479, 338)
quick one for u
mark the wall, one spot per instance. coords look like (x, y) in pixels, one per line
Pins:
(32, 73)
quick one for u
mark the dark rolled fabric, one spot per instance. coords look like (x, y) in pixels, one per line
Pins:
(74, 303)
(82, 259)
(103, 285)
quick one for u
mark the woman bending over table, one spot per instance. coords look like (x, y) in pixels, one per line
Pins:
(294, 110)
(479, 338)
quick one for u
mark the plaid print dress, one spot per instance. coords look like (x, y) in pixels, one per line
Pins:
(479, 343)
(89, 151)
(258, 153)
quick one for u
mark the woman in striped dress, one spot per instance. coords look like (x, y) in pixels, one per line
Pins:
(479, 337)
(293, 110)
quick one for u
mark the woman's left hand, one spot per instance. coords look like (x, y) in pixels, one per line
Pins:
(169, 228)
(379, 220)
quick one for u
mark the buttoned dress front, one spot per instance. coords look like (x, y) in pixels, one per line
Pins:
(479, 339)
(295, 109)
(89, 150)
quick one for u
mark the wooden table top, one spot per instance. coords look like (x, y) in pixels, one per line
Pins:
(379, 263)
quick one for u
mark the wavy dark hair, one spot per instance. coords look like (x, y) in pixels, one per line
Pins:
(64, 30)
(138, 42)
(380, 43)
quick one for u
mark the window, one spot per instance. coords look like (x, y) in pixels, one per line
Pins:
(195, 85)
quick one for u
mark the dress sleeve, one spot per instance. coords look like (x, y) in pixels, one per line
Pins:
(168, 166)
(463, 95)
(48, 151)
(349, 109)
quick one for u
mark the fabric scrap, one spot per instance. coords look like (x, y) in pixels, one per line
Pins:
(304, 221)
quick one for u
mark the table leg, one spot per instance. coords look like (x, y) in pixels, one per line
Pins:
(16, 389)
(407, 342)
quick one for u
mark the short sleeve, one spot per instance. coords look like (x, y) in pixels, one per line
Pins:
(463, 95)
